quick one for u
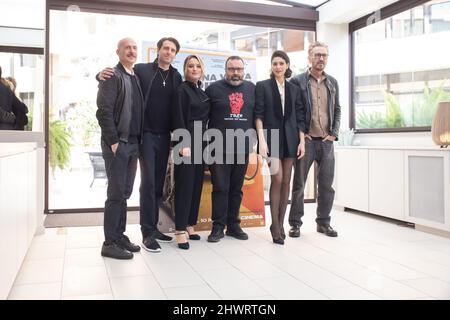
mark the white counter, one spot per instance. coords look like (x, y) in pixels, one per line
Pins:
(21, 200)
(411, 184)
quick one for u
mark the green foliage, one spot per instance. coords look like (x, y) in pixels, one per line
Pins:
(424, 110)
(394, 114)
(58, 145)
(58, 142)
(83, 124)
(373, 120)
(29, 126)
(419, 114)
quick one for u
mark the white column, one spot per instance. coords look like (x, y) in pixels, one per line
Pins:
(337, 38)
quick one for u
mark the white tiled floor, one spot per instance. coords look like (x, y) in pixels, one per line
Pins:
(371, 259)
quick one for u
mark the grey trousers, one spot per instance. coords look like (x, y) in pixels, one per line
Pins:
(323, 154)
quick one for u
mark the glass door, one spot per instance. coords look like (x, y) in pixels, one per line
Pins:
(83, 43)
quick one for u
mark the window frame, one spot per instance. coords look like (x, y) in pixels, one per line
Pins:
(358, 24)
(251, 14)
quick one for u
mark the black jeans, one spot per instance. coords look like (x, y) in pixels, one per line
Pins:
(121, 171)
(227, 181)
(323, 154)
(154, 155)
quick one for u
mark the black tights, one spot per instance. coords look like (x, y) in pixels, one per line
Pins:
(280, 171)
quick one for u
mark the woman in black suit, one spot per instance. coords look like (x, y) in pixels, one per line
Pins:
(280, 125)
(192, 109)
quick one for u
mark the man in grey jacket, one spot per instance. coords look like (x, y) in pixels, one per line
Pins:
(120, 116)
(320, 96)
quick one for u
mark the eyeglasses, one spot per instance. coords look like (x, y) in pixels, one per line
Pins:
(321, 55)
(235, 69)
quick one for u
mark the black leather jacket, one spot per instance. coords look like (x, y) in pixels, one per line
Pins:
(13, 112)
(115, 102)
(334, 108)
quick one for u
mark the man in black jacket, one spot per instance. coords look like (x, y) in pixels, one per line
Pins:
(120, 116)
(159, 82)
(320, 96)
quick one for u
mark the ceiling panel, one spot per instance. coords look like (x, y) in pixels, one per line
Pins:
(311, 3)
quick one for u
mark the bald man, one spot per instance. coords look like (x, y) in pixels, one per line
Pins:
(120, 116)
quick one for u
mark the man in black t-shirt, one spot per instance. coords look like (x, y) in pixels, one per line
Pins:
(232, 105)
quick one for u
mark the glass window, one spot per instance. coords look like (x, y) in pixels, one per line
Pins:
(82, 44)
(28, 73)
(399, 79)
(440, 16)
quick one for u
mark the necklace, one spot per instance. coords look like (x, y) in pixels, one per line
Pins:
(163, 79)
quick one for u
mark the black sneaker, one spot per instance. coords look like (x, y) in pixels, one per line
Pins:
(150, 244)
(216, 235)
(161, 237)
(115, 251)
(236, 232)
(127, 244)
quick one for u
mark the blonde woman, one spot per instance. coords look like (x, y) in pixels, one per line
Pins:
(193, 106)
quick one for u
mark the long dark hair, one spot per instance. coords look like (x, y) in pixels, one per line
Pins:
(283, 55)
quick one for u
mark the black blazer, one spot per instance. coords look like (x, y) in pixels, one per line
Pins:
(268, 109)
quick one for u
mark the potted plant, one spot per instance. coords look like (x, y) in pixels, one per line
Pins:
(58, 145)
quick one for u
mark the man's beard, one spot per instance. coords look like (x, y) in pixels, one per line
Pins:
(235, 81)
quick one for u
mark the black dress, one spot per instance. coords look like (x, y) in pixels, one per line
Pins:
(288, 124)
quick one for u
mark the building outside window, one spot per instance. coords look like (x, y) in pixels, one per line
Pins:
(398, 83)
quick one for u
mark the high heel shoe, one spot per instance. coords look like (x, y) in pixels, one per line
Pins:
(276, 238)
(182, 245)
(283, 234)
(278, 241)
(192, 235)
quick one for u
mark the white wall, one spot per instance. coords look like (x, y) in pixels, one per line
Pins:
(389, 57)
(22, 23)
(345, 11)
(411, 139)
(336, 37)
(23, 13)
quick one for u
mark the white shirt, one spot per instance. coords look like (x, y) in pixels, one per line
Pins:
(129, 71)
(282, 91)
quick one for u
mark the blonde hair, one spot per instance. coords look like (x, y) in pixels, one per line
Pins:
(202, 65)
(316, 44)
(12, 83)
